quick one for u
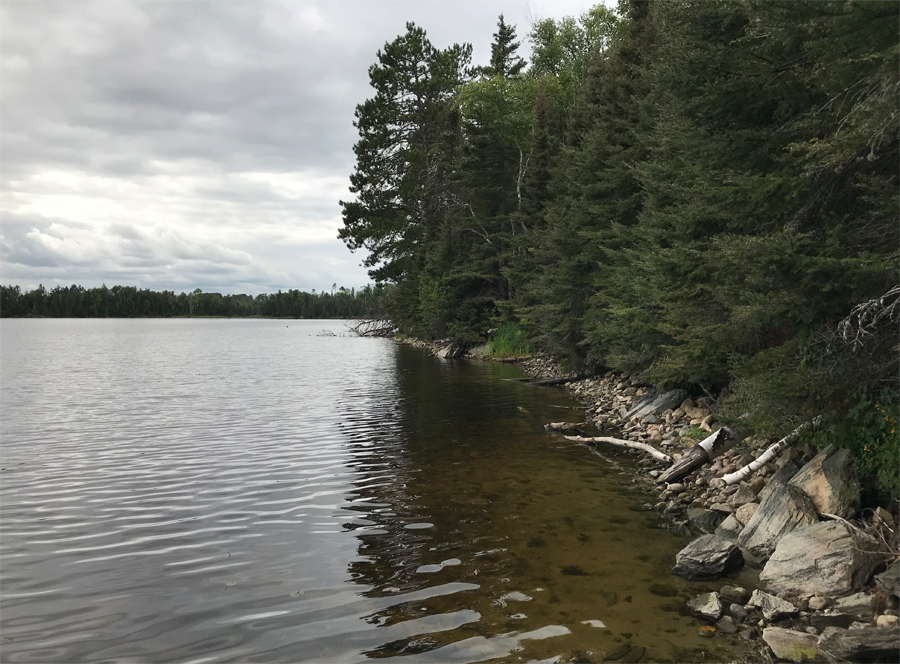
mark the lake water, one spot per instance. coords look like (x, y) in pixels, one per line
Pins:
(256, 491)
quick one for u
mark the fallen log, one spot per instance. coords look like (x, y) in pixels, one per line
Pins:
(555, 381)
(701, 453)
(566, 426)
(770, 453)
(649, 449)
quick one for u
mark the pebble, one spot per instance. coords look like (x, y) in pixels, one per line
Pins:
(887, 621)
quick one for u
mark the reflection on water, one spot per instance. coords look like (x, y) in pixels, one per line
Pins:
(248, 491)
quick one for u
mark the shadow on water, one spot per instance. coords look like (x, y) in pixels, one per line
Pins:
(493, 540)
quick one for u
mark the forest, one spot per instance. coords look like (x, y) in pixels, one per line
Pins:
(703, 193)
(130, 302)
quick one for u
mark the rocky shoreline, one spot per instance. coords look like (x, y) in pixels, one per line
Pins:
(829, 574)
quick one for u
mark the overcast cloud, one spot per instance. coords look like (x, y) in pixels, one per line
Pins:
(179, 144)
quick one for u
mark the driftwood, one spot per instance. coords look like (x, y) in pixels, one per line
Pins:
(373, 327)
(770, 453)
(649, 449)
(566, 426)
(700, 454)
(555, 381)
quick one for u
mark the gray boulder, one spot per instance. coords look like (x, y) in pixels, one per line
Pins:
(861, 605)
(707, 606)
(866, 644)
(655, 406)
(780, 512)
(821, 559)
(782, 476)
(707, 557)
(830, 480)
(771, 607)
(734, 594)
(706, 520)
(450, 352)
(729, 529)
(790, 645)
(889, 580)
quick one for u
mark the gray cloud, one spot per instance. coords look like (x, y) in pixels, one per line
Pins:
(195, 144)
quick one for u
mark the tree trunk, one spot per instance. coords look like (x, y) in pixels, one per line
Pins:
(702, 453)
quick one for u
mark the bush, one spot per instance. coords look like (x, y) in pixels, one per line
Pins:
(508, 341)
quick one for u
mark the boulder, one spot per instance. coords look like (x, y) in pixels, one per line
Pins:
(707, 606)
(655, 406)
(830, 480)
(867, 644)
(707, 557)
(780, 512)
(745, 512)
(822, 559)
(729, 529)
(741, 497)
(782, 476)
(771, 607)
(449, 352)
(887, 621)
(705, 520)
(790, 645)
(889, 580)
(861, 605)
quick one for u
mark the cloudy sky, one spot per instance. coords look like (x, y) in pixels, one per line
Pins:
(176, 144)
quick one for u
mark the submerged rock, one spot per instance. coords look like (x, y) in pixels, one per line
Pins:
(866, 644)
(707, 606)
(706, 520)
(785, 508)
(822, 559)
(790, 645)
(830, 480)
(707, 557)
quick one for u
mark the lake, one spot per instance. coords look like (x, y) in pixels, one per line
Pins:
(232, 490)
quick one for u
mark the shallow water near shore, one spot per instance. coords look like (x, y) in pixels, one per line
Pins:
(250, 490)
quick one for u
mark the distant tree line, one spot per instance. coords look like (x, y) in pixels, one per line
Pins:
(701, 192)
(130, 302)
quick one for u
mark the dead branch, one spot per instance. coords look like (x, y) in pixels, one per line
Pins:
(649, 449)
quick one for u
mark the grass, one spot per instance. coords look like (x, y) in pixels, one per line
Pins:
(509, 341)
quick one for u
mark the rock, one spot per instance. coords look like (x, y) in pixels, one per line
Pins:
(790, 645)
(726, 625)
(861, 605)
(821, 559)
(738, 612)
(449, 352)
(745, 512)
(729, 529)
(707, 606)
(705, 520)
(823, 621)
(818, 603)
(780, 512)
(830, 480)
(882, 516)
(889, 580)
(741, 497)
(655, 406)
(782, 476)
(887, 621)
(725, 508)
(675, 487)
(869, 644)
(707, 557)
(735, 594)
(772, 607)
(756, 484)
(717, 483)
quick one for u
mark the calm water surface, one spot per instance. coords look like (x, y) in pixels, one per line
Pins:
(253, 491)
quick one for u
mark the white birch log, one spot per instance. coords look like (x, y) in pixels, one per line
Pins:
(649, 449)
(769, 454)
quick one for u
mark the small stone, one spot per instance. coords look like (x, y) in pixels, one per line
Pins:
(771, 606)
(707, 606)
(735, 594)
(887, 621)
(741, 497)
(817, 603)
(717, 483)
(726, 625)
(738, 612)
(725, 508)
(676, 487)
(744, 513)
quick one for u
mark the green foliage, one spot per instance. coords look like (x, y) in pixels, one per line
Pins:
(871, 431)
(508, 341)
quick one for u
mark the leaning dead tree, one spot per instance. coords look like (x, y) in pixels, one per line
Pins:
(373, 327)
(771, 453)
(701, 453)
